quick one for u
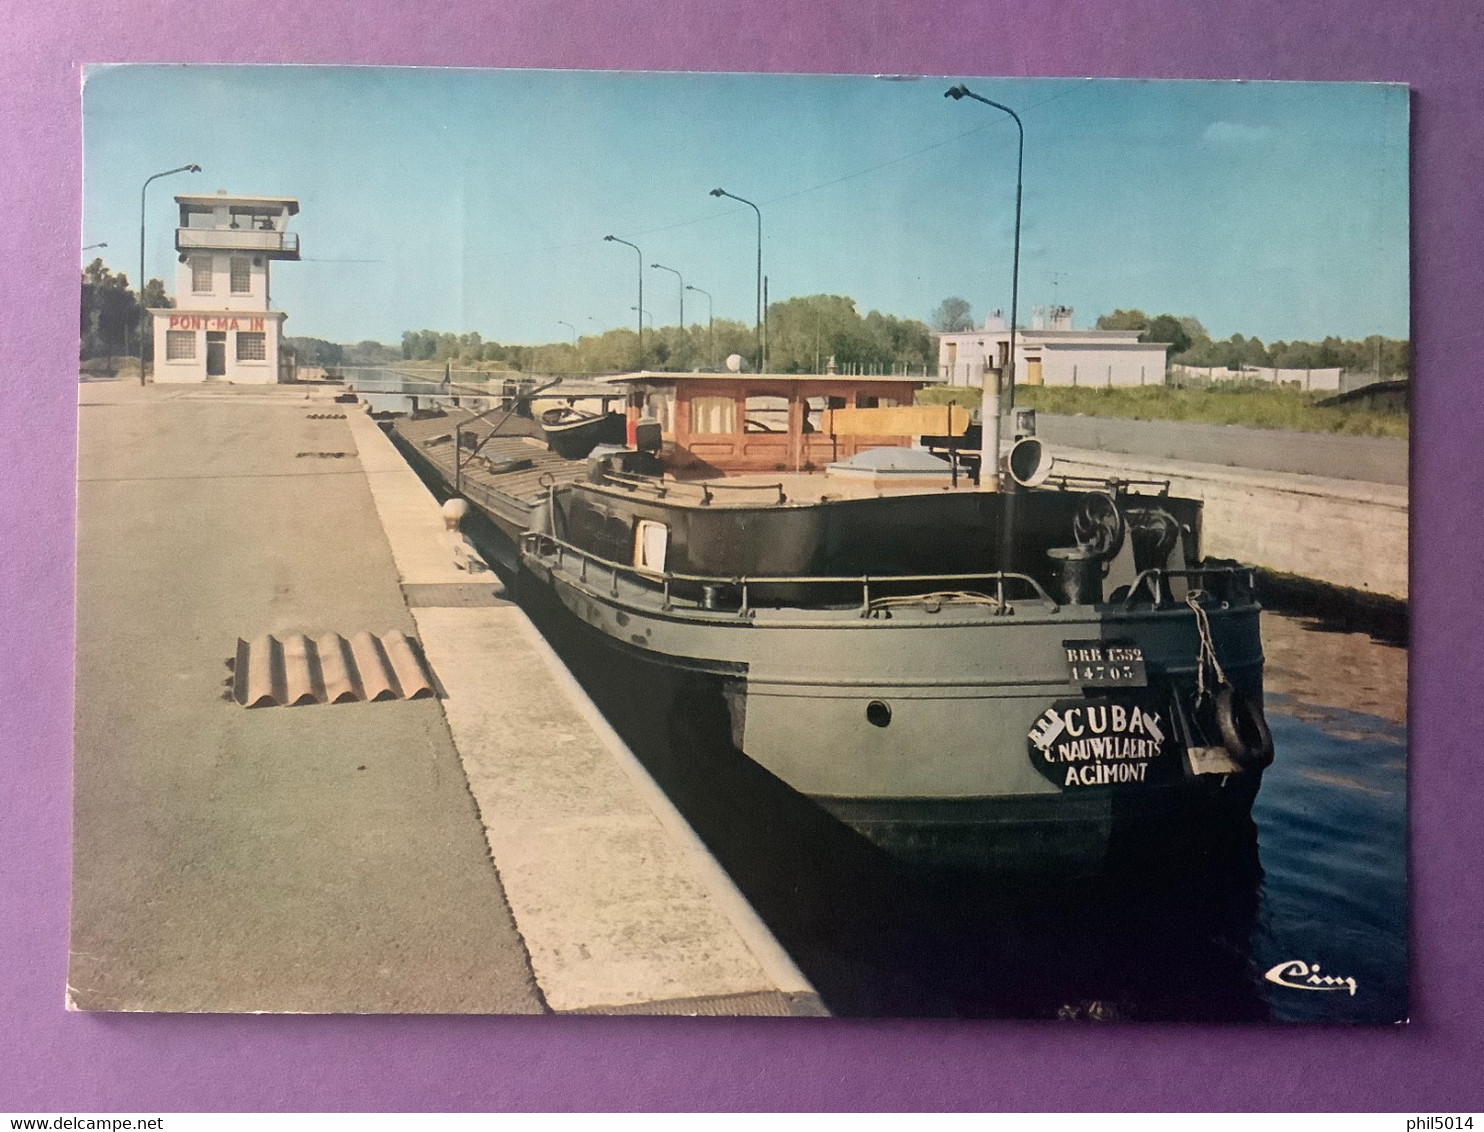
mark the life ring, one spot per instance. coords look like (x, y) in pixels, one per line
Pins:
(1244, 729)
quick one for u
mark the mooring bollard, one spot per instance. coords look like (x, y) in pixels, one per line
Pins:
(465, 556)
(454, 511)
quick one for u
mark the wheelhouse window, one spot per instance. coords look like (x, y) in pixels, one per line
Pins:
(201, 275)
(659, 403)
(713, 416)
(241, 275)
(814, 410)
(765, 413)
(180, 345)
(252, 346)
(862, 401)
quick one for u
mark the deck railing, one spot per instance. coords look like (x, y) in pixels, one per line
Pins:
(706, 488)
(745, 586)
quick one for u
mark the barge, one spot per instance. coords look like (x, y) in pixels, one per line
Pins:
(963, 676)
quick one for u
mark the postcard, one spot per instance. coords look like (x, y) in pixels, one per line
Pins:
(565, 542)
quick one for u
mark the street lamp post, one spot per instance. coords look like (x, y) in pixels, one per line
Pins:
(672, 271)
(90, 247)
(143, 314)
(643, 314)
(960, 92)
(989, 454)
(569, 326)
(749, 204)
(640, 307)
(710, 321)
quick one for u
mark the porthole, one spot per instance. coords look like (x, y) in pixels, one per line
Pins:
(878, 713)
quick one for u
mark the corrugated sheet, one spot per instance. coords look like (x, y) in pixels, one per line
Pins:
(296, 669)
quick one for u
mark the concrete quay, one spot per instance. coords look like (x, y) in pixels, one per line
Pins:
(492, 850)
(1341, 532)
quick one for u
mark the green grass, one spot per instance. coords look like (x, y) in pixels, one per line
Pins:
(1251, 404)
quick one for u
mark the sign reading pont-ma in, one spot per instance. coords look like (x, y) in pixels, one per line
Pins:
(213, 322)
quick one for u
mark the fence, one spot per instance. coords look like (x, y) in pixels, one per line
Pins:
(1311, 379)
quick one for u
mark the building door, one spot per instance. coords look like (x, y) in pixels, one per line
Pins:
(1033, 374)
(216, 353)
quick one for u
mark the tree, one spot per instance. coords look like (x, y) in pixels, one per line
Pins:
(1167, 328)
(316, 351)
(901, 342)
(471, 346)
(952, 315)
(1193, 327)
(806, 331)
(418, 345)
(1124, 320)
(155, 297)
(370, 353)
(109, 312)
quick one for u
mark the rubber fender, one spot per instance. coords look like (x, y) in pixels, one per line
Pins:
(1244, 728)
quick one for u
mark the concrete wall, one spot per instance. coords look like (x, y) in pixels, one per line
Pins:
(1341, 532)
(1314, 379)
(1098, 367)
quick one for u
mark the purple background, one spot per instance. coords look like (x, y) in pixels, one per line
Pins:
(51, 1060)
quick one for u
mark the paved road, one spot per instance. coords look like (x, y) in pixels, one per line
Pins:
(1373, 459)
(319, 858)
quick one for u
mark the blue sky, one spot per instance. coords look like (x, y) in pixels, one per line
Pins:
(478, 200)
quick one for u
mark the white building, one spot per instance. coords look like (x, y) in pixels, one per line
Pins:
(1052, 353)
(222, 326)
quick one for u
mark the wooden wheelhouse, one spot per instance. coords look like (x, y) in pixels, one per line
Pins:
(720, 424)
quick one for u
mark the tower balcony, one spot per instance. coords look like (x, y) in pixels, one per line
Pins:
(264, 241)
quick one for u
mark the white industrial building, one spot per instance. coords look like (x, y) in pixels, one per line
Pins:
(223, 326)
(1050, 352)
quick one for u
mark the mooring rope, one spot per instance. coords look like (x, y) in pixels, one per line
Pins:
(940, 597)
(1207, 653)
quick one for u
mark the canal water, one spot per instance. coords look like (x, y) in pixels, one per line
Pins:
(1318, 893)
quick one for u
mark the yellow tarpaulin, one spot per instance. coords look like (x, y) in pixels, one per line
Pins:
(905, 420)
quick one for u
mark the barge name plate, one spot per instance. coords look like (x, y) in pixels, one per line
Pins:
(1105, 664)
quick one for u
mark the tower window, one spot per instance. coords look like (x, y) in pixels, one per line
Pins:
(241, 275)
(201, 275)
